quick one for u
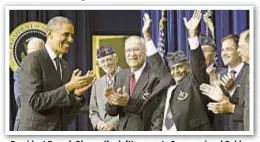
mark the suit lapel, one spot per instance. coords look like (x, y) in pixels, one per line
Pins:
(141, 83)
(164, 83)
(49, 65)
(65, 73)
(102, 84)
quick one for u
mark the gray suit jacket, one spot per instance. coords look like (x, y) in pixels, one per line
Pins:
(45, 102)
(98, 100)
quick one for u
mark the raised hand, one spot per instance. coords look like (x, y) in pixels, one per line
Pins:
(228, 82)
(77, 81)
(209, 23)
(193, 23)
(90, 76)
(146, 27)
(213, 92)
(80, 91)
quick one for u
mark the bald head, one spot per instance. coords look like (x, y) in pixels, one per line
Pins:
(34, 44)
(245, 35)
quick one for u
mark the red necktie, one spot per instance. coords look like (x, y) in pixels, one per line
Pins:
(132, 83)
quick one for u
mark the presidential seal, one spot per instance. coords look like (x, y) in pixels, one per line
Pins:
(19, 38)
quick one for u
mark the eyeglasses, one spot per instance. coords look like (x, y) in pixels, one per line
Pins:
(136, 49)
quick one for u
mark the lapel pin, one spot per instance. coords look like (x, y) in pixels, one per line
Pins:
(146, 95)
(182, 95)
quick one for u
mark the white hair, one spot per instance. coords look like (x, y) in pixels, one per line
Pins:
(34, 44)
(136, 40)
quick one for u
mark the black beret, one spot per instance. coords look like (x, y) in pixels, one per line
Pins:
(176, 57)
(207, 40)
(105, 50)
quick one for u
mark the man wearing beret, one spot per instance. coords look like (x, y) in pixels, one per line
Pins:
(108, 61)
(208, 46)
(136, 97)
(185, 107)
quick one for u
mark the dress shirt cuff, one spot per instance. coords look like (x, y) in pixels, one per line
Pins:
(232, 91)
(194, 42)
(114, 120)
(79, 98)
(150, 48)
(67, 90)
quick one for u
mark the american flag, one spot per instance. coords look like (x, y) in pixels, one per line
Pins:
(162, 44)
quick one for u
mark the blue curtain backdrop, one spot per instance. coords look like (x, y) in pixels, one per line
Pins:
(225, 22)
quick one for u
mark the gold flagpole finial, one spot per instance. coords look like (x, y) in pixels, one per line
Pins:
(163, 19)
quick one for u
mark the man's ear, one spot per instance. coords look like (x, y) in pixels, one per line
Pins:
(188, 68)
(98, 64)
(116, 58)
(49, 34)
(215, 54)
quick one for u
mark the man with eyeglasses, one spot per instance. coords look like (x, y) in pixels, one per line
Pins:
(137, 97)
(108, 61)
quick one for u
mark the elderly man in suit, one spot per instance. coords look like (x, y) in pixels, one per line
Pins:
(50, 98)
(185, 106)
(108, 61)
(231, 103)
(34, 44)
(137, 95)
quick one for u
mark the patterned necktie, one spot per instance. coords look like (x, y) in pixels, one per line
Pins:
(57, 60)
(168, 122)
(233, 72)
(132, 83)
(110, 83)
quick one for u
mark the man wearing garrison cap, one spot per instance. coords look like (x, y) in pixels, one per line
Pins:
(185, 107)
(108, 61)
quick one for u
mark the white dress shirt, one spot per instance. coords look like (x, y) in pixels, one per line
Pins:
(139, 72)
(169, 93)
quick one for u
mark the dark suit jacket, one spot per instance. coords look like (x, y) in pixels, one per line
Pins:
(141, 113)
(17, 95)
(45, 103)
(234, 122)
(191, 114)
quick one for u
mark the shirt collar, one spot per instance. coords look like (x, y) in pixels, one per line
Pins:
(139, 71)
(113, 77)
(50, 51)
(237, 68)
